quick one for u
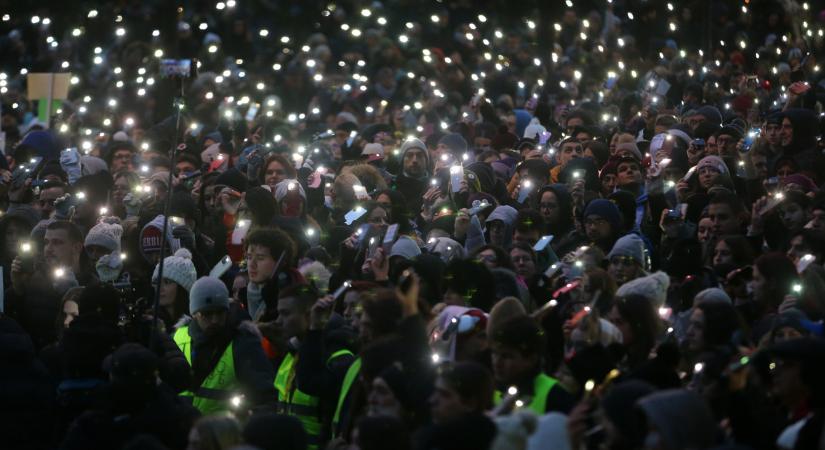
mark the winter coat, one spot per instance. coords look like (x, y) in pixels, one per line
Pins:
(26, 392)
(253, 370)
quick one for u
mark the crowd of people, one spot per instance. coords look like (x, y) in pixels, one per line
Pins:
(413, 225)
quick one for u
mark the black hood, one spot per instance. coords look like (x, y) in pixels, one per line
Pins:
(805, 128)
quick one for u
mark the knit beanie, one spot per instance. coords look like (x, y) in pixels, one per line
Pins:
(712, 295)
(284, 187)
(652, 287)
(629, 147)
(106, 234)
(412, 143)
(150, 237)
(713, 162)
(606, 210)
(711, 114)
(446, 248)
(405, 247)
(629, 245)
(455, 142)
(178, 268)
(208, 293)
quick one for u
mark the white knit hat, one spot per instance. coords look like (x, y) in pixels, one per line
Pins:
(178, 268)
(106, 234)
(653, 287)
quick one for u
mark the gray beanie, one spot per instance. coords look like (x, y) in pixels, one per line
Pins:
(629, 245)
(405, 247)
(412, 143)
(178, 268)
(653, 287)
(106, 234)
(712, 295)
(455, 142)
(208, 293)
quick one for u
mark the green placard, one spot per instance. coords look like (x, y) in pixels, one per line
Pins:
(41, 109)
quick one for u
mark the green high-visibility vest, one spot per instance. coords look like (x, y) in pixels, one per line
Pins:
(216, 391)
(292, 401)
(352, 373)
(542, 385)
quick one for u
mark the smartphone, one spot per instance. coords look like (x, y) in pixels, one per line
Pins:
(389, 238)
(239, 233)
(689, 174)
(341, 289)
(405, 280)
(360, 192)
(543, 242)
(456, 176)
(25, 253)
(373, 246)
(525, 191)
(252, 112)
(362, 233)
(750, 137)
(354, 215)
(221, 267)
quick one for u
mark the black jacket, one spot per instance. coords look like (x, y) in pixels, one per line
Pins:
(26, 392)
(413, 190)
(126, 412)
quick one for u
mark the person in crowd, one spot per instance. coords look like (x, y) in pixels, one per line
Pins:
(226, 356)
(307, 373)
(517, 353)
(436, 220)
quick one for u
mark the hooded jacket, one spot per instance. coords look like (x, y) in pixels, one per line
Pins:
(565, 237)
(506, 214)
(26, 392)
(803, 146)
(413, 188)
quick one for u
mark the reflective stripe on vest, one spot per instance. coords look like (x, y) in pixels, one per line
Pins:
(349, 378)
(542, 385)
(292, 401)
(216, 391)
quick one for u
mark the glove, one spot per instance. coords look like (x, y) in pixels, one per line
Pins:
(132, 203)
(70, 162)
(108, 267)
(64, 207)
